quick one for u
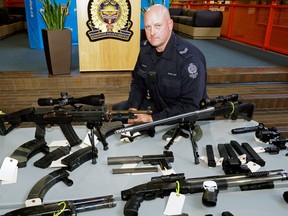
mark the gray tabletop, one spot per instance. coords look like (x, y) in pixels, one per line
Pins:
(97, 180)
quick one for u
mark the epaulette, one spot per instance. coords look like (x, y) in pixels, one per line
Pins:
(184, 51)
(143, 43)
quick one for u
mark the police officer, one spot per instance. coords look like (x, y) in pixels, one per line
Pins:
(169, 71)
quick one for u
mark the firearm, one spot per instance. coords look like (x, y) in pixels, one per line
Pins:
(67, 207)
(93, 115)
(210, 185)
(231, 109)
(163, 160)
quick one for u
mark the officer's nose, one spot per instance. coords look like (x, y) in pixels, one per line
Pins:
(152, 31)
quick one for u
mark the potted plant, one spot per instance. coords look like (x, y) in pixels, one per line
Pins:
(56, 39)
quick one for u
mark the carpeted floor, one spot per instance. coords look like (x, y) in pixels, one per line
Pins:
(16, 55)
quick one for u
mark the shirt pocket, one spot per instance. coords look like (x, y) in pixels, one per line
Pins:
(171, 87)
(142, 72)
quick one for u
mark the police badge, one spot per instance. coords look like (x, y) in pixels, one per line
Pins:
(109, 19)
(192, 70)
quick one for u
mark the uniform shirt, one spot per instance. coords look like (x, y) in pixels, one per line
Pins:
(174, 79)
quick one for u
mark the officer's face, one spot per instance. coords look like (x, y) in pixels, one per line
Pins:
(158, 28)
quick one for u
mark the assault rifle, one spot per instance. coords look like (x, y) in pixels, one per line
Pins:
(93, 115)
(210, 185)
(66, 207)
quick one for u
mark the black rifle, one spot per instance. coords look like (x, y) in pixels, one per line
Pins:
(163, 185)
(231, 109)
(66, 207)
(94, 114)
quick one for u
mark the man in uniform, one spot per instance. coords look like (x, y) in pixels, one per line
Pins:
(170, 72)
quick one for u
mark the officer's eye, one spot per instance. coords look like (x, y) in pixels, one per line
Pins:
(157, 26)
(147, 28)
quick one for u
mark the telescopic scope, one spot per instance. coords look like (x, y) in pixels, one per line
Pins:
(93, 100)
(220, 99)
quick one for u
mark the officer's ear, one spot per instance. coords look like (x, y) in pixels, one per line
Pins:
(170, 24)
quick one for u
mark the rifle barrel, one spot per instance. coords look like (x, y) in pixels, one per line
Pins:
(235, 180)
(199, 114)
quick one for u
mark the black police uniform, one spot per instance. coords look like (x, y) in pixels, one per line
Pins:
(175, 79)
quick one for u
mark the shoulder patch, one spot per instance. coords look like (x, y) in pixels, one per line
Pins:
(184, 51)
(192, 70)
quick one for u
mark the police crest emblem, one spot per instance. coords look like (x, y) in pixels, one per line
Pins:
(109, 19)
(192, 70)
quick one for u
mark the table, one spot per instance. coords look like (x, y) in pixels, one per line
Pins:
(97, 180)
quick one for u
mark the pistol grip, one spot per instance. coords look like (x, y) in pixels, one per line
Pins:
(132, 205)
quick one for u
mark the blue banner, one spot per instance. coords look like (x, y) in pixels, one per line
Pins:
(35, 23)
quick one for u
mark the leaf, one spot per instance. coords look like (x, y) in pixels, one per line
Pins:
(54, 14)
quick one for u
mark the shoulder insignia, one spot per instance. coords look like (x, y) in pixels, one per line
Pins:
(192, 70)
(184, 51)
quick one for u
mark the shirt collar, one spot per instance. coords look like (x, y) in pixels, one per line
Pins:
(168, 51)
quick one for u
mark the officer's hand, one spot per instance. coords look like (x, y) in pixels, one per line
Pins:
(140, 118)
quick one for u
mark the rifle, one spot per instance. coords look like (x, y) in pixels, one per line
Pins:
(93, 115)
(233, 110)
(230, 108)
(67, 207)
(163, 185)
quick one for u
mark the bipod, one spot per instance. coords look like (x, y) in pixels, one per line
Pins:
(189, 126)
(92, 126)
(101, 138)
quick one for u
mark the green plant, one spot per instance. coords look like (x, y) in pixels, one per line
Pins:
(54, 14)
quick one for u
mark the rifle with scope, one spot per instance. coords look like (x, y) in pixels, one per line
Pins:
(93, 115)
(230, 107)
(210, 185)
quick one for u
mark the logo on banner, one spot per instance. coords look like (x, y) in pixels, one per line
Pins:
(109, 19)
